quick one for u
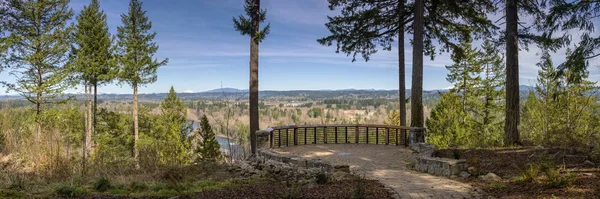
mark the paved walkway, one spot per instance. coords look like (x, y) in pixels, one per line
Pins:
(388, 165)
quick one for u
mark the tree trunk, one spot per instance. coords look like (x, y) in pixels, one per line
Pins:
(417, 118)
(401, 67)
(39, 107)
(136, 151)
(95, 107)
(511, 127)
(88, 119)
(253, 99)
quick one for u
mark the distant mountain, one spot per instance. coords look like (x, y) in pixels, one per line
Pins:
(226, 90)
(525, 88)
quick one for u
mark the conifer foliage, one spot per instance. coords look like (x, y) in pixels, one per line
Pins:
(136, 50)
(469, 115)
(174, 147)
(92, 58)
(208, 149)
(39, 44)
(563, 110)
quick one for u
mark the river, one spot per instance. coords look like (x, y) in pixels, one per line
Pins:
(222, 141)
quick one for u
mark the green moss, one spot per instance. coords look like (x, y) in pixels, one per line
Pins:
(118, 191)
(69, 190)
(138, 187)
(7, 193)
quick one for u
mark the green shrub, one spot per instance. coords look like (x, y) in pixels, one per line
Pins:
(102, 185)
(11, 194)
(69, 190)
(530, 174)
(555, 178)
(138, 187)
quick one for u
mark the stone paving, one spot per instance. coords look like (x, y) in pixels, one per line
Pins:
(388, 164)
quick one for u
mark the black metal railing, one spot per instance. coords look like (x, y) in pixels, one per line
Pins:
(281, 136)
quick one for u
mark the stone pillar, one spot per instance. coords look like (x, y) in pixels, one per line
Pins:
(261, 138)
(416, 135)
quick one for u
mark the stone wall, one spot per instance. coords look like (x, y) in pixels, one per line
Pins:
(425, 162)
(322, 165)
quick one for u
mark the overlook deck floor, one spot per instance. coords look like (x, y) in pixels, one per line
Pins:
(388, 165)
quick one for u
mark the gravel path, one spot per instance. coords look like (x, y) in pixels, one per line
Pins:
(388, 165)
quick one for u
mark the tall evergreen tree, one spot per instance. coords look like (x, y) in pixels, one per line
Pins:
(464, 74)
(467, 116)
(364, 26)
(488, 111)
(563, 112)
(443, 129)
(38, 43)
(511, 126)
(540, 111)
(92, 55)
(417, 118)
(520, 33)
(250, 25)
(174, 147)
(136, 50)
(208, 149)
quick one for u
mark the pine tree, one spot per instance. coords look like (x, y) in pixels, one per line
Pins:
(174, 145)
(94, 50)
(520, 33)
(250, 25)
(208, 149)
(578, 101)
(39, 43)
(136, 51)
(562, 112)
(464, 74)
(488, 112)
(443, 129)
(91, 59)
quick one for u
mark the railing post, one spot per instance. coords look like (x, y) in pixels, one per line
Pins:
(376, 135)
(335, 132)
(304, 136)
(325, 135)
(367, 135)
(397, 137)
(287, 137)
(295, 136)
(279, 142)
(315, 135)
(387, 135)
(346, 135)
(356, 134)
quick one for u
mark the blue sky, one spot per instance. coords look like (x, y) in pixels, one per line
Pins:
(205, 51)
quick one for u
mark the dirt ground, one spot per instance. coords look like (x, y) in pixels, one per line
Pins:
(511, 163)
